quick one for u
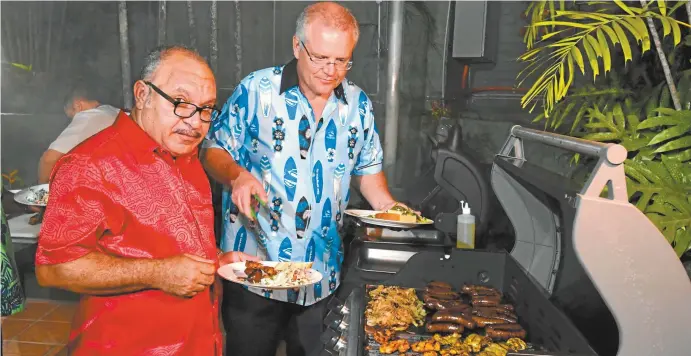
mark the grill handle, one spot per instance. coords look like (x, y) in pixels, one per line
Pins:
(615, 154)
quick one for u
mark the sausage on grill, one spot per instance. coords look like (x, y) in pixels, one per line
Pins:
(444, 328)
(482, 321)
(442, 294)
(439, 285)
(505, 331)
(456, 317)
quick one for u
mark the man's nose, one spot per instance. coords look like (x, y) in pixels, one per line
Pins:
(330, 69)
(195, 120)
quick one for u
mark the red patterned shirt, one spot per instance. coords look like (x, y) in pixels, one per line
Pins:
(119, 193)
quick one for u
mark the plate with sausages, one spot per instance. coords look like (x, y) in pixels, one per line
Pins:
(271, 274)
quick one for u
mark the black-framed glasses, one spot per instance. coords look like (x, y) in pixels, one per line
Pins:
(186, 110)
(339, 64)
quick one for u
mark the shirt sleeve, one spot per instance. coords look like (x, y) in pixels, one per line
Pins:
(371, 155)
(228, 128)
(76, 215)
(69, 137)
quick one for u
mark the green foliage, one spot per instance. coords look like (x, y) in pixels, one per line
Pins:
(616, 107)
(585, 39)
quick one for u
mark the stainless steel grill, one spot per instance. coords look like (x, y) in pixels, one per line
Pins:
(588, 274)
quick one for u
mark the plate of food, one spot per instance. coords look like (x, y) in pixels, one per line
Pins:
(271, 274)
(36, 195)
(396, 217)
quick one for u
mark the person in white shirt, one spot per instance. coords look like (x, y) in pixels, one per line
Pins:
(88, 116)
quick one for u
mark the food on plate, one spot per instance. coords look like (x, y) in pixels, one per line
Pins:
(398, 345)
(444, 328)
(284, 274)
(402, 214)
(505, 331)
(394, 308)
(37, 196)
(426, 345)
(476, 342)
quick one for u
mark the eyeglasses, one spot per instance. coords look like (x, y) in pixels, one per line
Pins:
(339, 64)
(186, 110)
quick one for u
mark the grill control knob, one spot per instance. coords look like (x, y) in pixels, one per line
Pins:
(337, 306)
(336, 321)
(332, 340)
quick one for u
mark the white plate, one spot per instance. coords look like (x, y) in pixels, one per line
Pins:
(234, 271)
(364, 216)
(22, 196)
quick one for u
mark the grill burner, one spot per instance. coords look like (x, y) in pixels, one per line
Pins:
(580, 262)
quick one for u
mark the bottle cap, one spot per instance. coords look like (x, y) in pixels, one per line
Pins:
(465, 207)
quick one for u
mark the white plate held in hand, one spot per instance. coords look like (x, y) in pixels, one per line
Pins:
(366, 217)
(235, 272)
(28, 196)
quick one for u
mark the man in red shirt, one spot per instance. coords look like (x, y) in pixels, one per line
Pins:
(129, 222)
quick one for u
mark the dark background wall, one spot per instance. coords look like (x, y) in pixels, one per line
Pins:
(62, 40)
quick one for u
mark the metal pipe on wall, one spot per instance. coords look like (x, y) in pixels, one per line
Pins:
(125, 56)
(213, 46)
(393, 70)
(193, 26)
(238, 42)
(161, 22)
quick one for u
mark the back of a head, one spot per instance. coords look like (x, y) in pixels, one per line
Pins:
(331, 14)
(83, 90)
(158, 55)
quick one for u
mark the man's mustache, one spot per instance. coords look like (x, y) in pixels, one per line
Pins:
(190, 133)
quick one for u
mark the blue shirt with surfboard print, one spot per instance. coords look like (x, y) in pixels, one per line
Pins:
(305, 165)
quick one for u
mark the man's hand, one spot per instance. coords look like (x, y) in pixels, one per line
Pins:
(232, 257)
(245, 186)
(184, 275)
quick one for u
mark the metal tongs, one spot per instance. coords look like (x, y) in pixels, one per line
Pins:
(272, 213)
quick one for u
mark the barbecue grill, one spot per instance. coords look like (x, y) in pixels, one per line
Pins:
(588, 274)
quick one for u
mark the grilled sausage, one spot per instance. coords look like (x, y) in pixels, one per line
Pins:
(442, 294)
(444, 328)
(439, 284)
(482, 321)
(478, 310)
(505, 331)
(486, 302)
(508, 307)
(495, 315)
(436, 304)
(485, 293)
(468, 288)
(455, 317)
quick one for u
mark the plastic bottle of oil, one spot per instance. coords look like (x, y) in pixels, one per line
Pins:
(465, 228)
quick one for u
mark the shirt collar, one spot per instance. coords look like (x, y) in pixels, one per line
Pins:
(289, 79)
(138, 139)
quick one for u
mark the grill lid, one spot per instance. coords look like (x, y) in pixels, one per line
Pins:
(564, 233)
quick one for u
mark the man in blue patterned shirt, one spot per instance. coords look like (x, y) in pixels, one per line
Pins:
(293, 136)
